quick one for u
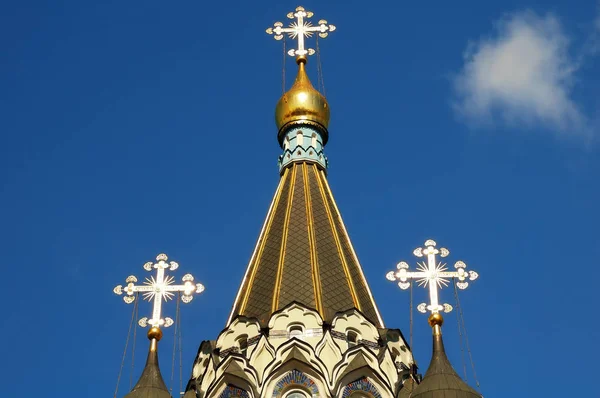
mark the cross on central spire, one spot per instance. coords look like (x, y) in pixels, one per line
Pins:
(299, 29)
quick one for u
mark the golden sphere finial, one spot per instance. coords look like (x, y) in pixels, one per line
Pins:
(155, 333)
(436, 319)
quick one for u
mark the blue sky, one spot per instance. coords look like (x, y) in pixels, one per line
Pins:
(134, 128)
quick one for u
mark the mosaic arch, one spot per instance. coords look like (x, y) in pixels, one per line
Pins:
(231, 391)
(295, 378)
(361, 385)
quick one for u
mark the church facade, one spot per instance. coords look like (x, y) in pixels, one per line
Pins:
(304, 323)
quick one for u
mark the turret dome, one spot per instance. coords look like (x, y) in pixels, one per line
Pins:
(302, 102)
(441, 380)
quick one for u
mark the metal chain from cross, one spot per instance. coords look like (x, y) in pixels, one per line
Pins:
(299, 29)
(432, 274)
(158, 289)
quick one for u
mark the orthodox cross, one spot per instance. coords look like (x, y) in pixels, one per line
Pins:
(158, 289)
(432, 274)
(299, 29)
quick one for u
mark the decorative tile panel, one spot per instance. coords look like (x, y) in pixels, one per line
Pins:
(362, 385)
(295, 377)
(231, 391)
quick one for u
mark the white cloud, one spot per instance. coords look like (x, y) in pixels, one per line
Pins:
(523, 76)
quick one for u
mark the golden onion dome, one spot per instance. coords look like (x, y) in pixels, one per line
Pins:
(302, 102)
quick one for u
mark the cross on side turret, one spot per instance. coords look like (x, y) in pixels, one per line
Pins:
(432, 274)
(159, 288)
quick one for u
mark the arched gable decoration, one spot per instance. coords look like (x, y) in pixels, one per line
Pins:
(362, 385)
(295, 378)
(231, 391)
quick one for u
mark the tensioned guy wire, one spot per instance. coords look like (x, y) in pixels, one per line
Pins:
(133, 313)
(462, 319)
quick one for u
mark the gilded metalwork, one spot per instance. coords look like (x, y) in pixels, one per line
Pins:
(155, 333)
(435, 319)
(257, 249)
(302, 102)
(311, 238)
(255, 262)
(297, 270)
(338, 244)
(364, 283)
(286, 223)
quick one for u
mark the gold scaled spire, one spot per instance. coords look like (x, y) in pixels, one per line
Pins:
(302, 102)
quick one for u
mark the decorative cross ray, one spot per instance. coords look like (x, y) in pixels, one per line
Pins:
(299, 29)
(159, 288)
(432, 274)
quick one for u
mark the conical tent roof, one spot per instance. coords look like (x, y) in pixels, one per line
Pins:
(304, 253)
